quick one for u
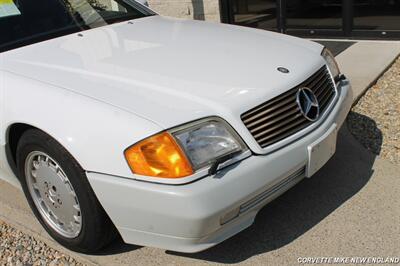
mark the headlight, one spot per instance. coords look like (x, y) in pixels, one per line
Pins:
(208, 141)
(331, 62)
(182, 151)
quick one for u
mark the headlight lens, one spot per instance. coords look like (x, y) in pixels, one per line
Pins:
(331, 62)
(183, 151)
(208, 141)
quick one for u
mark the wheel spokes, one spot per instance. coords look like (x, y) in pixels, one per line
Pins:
(53, 194)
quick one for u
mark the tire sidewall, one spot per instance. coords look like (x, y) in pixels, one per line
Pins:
(38, 142)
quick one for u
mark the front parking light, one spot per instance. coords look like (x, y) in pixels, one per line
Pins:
(158, 156)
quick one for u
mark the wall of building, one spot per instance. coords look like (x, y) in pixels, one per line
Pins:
(190, 9)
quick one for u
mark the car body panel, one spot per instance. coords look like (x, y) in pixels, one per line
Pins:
(187, 218)
(172, 75)
(95, 133)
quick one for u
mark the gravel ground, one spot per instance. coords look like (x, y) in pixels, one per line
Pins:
(375, 120)
(17, 249)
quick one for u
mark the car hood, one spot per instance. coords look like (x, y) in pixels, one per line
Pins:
(171, 71)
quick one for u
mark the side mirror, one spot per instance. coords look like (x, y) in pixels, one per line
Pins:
(143, 2)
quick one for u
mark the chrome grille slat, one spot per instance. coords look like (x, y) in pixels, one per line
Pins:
(319, 80)
(279, 118)
(322, 95)
(326, 103)
(313, 77)
(290, 132)
(274, 127)
(272, 116)
(271, 111)
(248, 116)
(324, 89)
(287, 127)
(275, 121)
(325, 100)
(320, 86)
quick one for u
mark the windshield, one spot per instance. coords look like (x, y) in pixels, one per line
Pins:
(24, 22)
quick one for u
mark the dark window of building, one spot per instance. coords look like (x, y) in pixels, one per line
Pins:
(314, 14)
(255, 13)
(377, 15)
(372, 19)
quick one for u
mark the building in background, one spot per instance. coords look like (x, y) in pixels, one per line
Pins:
(370, 19)
(194, 9)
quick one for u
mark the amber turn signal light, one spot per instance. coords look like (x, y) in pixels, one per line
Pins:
(158, 156)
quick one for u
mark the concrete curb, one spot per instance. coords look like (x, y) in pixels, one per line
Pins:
(364, 62)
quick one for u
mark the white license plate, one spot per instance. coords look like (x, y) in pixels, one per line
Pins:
(321, 151)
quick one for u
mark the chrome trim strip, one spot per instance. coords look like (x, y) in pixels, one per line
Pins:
(293, 178)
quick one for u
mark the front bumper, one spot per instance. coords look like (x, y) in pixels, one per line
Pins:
(187, 218)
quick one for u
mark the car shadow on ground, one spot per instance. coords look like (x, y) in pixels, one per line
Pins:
(299, 209)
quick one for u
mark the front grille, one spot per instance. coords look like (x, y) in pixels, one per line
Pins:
(281, 117)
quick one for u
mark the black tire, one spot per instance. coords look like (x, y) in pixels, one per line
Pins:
(97, 229)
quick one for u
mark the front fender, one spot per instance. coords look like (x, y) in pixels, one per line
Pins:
(95, 133)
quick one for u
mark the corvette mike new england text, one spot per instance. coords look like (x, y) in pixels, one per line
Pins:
(349, 260)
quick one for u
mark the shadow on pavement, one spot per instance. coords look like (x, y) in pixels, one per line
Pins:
(336, 47)
(116, 247)
(365, 131)
(302, 207)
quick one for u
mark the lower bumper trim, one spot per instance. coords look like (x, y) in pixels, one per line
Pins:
(287, 182)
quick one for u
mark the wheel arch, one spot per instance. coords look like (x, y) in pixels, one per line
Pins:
(14, 133)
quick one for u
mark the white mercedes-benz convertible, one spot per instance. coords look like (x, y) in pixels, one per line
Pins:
(169, 133)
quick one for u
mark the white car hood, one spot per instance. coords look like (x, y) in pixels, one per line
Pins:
(171, 71)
